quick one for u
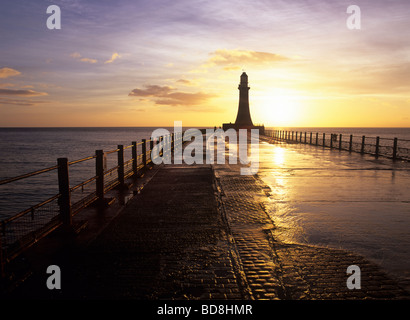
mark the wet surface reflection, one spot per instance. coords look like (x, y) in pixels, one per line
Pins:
(340, 200)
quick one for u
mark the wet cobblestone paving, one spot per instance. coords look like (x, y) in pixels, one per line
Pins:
(276, 270)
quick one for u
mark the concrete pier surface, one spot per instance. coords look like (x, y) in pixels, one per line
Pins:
(208, 232)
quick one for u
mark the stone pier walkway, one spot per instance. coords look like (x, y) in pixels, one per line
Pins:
(277, 270)
(202, 232)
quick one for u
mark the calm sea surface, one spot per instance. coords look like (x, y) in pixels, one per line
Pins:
(24, 150)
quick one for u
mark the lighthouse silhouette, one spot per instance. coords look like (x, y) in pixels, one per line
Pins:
(243, 118)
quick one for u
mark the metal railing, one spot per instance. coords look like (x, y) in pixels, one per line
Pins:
(20, 231)
(394, 148)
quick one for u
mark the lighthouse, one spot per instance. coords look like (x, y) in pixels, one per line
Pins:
(243, 118)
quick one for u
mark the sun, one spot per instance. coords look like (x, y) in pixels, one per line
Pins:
(281, 109)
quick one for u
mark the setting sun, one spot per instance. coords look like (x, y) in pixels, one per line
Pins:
(279, 108)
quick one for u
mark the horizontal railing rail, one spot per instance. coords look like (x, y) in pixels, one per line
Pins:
(394, 148)
(22, 230)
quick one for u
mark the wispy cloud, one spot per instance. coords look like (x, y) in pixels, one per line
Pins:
(186, 82)
(6, 85)
(165, 95)
(114, 57)
(79, 57)
(20, 102)
(237, 59)
(8, 72)
(151, 91)
(22, 93)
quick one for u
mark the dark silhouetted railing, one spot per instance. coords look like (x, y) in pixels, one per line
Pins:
(394, 148)
(22, 230)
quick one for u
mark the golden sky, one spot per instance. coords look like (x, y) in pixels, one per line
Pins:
(150, 63)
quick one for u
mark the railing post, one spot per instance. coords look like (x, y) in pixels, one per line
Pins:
(144, 152)
(2, 260)
(351, 143)
(363, 142)
(331, 141)
(305, 137)
(64, 189)
(377, 147)
(172, 142)
(340, 141)
(99, 173)
(310, 139)
(151, 146)
(121, 165)
(169, 145)
(395, 149)
(161, 138)
(134, 158)
(324, 139)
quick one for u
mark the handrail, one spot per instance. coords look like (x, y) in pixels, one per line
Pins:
(29, 210)
(48, 215)
(83, 183)
(81, 160)
(111, 170)
(112, 151)
(27, 175)
(352, 143)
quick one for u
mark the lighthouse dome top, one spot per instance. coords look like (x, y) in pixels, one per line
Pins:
(244, 78)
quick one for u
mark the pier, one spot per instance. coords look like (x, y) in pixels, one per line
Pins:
(190, 232)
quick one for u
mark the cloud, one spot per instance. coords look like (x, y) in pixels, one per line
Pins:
(19, 102)
(8, 72)
(78, 56)
(23, 93)
(237, 59)
(5, 85)
(366, 80)
(165, 95)
(151, 91)
(184, 99)
(187, 82)
(113, 57)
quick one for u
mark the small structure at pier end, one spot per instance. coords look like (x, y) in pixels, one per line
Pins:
(243, 118)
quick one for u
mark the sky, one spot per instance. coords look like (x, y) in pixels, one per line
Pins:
(153, 62)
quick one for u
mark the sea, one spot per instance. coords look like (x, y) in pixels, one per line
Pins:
(25, 150)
